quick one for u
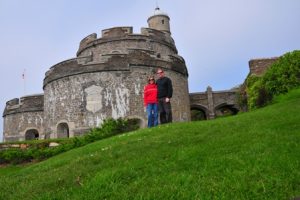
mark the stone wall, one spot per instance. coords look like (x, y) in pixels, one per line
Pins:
(259, 66)
(86, 100)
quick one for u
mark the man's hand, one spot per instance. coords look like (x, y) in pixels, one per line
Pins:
(167, 100)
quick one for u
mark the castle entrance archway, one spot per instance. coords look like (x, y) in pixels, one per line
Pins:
(31, 134)
(62, 130)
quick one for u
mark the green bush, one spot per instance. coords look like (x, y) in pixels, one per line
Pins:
(111, 127)
(254, 84)
(281, 77)
(14, 156)
(284, 74)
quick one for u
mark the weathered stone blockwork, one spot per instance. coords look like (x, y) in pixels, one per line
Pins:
(259, 66)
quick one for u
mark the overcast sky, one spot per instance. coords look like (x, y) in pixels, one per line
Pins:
(216, 38)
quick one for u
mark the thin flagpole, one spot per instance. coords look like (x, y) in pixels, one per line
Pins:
(24, 81)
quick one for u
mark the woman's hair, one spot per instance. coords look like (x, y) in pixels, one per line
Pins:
(151, 78)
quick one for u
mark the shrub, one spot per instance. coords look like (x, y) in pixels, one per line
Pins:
(281, 77)
(284, 74)
(111, 127)
(254, 84)
(14, 156)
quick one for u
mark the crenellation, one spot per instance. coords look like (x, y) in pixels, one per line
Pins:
(88, 39)
(116, 32)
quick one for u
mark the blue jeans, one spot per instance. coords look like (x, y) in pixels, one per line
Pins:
(152, 111)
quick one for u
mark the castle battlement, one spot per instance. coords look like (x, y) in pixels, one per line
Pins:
(30, 103)
(125, 34)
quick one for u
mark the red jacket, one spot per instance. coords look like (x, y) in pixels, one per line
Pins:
(150, 94)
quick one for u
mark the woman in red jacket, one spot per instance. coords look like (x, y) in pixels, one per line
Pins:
(150, 102)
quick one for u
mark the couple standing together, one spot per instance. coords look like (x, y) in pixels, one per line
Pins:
(157, 97)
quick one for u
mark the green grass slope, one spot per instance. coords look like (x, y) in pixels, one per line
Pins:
(254, 155)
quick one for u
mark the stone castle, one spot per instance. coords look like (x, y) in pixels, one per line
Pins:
(106, 80)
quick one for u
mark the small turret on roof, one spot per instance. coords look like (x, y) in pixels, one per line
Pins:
(159, 21)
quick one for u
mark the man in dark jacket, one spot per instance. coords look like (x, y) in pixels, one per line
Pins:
(165, 92)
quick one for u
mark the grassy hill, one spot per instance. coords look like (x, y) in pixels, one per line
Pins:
(253, 155)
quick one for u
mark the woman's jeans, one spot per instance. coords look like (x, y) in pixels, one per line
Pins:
(152, 111)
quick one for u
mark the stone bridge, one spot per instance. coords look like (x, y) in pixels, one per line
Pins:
(211, 104)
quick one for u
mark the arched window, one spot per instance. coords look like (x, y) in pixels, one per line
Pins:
(31, 134)
(62, 130)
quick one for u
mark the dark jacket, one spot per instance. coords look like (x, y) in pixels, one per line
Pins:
(164, 86)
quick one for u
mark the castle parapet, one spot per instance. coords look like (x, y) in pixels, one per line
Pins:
(87, 39)
(12, 103)
(157, 34)
(30, 103)
(113, 36)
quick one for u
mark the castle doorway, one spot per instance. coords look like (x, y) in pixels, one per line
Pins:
(31, 134)
(62, 130)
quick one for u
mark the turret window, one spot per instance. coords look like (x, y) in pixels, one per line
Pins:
(163, 21)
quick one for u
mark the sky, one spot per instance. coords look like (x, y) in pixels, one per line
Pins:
(216, 38)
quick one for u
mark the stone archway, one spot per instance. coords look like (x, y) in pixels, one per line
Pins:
(63, 130)
(198, 112)
(225, 109)
(31, 134)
